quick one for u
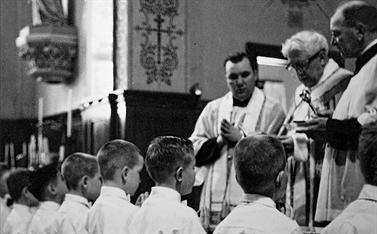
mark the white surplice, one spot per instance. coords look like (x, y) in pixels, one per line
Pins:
(221, 192)
(256, 214)
(324, 97)
(18, 220)
(360, 217)
(341, 183)
(163, 213)
(111, 213)
(70, 217)
(43, 216)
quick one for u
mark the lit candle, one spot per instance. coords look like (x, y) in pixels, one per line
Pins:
(61, 153)
(69, 113)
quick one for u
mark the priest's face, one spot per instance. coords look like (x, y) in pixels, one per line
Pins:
(348, 40)
(308, 68)
(240, 78)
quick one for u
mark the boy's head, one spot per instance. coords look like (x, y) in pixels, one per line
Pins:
(260, 166)
(18, 182)
(368, 153)
(4, 173)
(81, 173)
(120, 163)
(170, 161)
(47, 184)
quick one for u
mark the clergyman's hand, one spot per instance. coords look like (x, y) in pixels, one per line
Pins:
(229, 132)
(287, 142)
(314, 128)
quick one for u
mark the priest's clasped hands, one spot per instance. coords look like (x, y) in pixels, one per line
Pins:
(229, 133)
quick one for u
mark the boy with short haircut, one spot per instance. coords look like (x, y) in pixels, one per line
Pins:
(259, 163)
(5, 206)
(120, 164)
(19, 218)
(48, 186)
(82, 176)
(170, 163)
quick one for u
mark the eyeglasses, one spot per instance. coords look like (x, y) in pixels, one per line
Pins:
(300, 66)
(234, 76)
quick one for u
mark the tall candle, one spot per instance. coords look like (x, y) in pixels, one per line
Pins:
(12, 157)
(69, 113)
(40, 112)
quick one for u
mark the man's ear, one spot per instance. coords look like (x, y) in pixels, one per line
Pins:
(360, 31)
(179, 174)
(279, 179)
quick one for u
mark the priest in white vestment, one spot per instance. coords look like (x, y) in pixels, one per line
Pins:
(354, 32)
(323, 82)
(223, 122)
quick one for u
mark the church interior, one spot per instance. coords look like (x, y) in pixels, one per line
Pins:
(76, 76)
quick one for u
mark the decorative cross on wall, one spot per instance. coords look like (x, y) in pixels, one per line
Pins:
(159, 58)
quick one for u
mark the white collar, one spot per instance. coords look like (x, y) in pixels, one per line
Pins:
(113, 192)
(77, 199)
(49, 205)
(370, 45)
(165, 192)
(248, 198)
(368, 192)
(21, 208)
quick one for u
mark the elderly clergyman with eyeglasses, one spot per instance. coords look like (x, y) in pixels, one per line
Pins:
(323, 82)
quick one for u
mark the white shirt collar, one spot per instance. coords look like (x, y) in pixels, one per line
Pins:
(49, 205)
(21, 208)
(114, 192)
(167, 193)
(77, 199)
(368, 192)
(248, 198)
(370, 45)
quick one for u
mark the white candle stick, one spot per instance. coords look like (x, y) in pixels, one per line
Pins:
(12, 158)
(69, 113)
(40, 112)
(6, 154)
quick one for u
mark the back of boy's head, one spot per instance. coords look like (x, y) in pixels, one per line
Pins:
(17, 181)
(165, 154)
(368, 153)
(258, 160)
(76, 166)
(4, 173)
(117, 154)
(41, 178)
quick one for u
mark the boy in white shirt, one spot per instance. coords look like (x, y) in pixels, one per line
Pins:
(48, 186)
(5, 199)
(170, 163)
(82, 176)
(120, 164)
(24, 205)
(259, 163)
